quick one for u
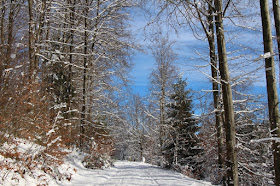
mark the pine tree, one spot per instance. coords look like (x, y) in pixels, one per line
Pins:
(182, 148)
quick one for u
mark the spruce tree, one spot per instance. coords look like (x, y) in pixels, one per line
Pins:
(182, 148)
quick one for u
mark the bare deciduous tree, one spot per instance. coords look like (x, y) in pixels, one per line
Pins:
(229, 124)
(272, 95)
(162, 79)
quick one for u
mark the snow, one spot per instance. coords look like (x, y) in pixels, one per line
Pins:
(13, 56)
(265, 56)
(267, 139)
(123, 173)
(126, 173)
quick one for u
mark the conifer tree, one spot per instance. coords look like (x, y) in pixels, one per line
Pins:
(182, 148)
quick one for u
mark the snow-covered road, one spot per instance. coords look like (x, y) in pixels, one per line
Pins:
(131, 173)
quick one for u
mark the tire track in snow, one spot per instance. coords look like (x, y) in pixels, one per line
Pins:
(149, 175)
(132, 174)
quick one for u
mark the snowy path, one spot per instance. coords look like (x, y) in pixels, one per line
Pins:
(131, 173)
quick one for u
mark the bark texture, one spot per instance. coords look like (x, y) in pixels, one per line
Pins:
(31, 42)
(276, 12)
(215, 86)
(83, 114)
(272, 94)
(231, 162)
(209, 30)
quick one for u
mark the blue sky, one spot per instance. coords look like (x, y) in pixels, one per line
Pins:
(187, 47)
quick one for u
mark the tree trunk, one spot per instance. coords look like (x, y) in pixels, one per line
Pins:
(3, 11)
(162, 118)
(272, 94)
(9, 46)
(69, 87)
(232, 166)
(31, 42)
(276, 12)
(176, 147)
(2, 36)
(42, 36)
(71, 47)
(213, 62)
(215, 86)
(82, 127)
(10, 35)
(38, 34)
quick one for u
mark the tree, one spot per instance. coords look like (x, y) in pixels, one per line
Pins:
(272, 95)
(137, 130)
(232, 177)
(85, 66)
(86, 59)
(10, 10)
(2, 37)
(162, 79)
(37, 18)
(202, 11)
(254, 158)
(276, 13)
(208, 27)
(223, 67)
(183, 147)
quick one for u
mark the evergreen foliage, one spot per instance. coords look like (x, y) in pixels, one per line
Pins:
(182, 147)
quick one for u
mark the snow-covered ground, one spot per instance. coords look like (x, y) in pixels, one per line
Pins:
(130, 173)
(123, 173)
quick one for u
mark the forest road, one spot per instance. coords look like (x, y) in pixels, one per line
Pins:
(132, 174)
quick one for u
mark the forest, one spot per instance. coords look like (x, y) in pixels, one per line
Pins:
(66, 86)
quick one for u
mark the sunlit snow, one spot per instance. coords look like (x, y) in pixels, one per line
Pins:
(131, 173)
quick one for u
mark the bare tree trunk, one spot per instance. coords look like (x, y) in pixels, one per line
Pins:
(42, 35)
(162, 118)
(35, 36)
(82, 125)
(276, 12)
(2, 36)
(71, 49)
(176, 147)
(272, 94)
(10, 39)
(161, 131)
(142, 145)
(3, 12)
(38, 34)
(10, 35)
(214, 71)
(31, 42)
(69, 114)
(215, 86)
(232, 166)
